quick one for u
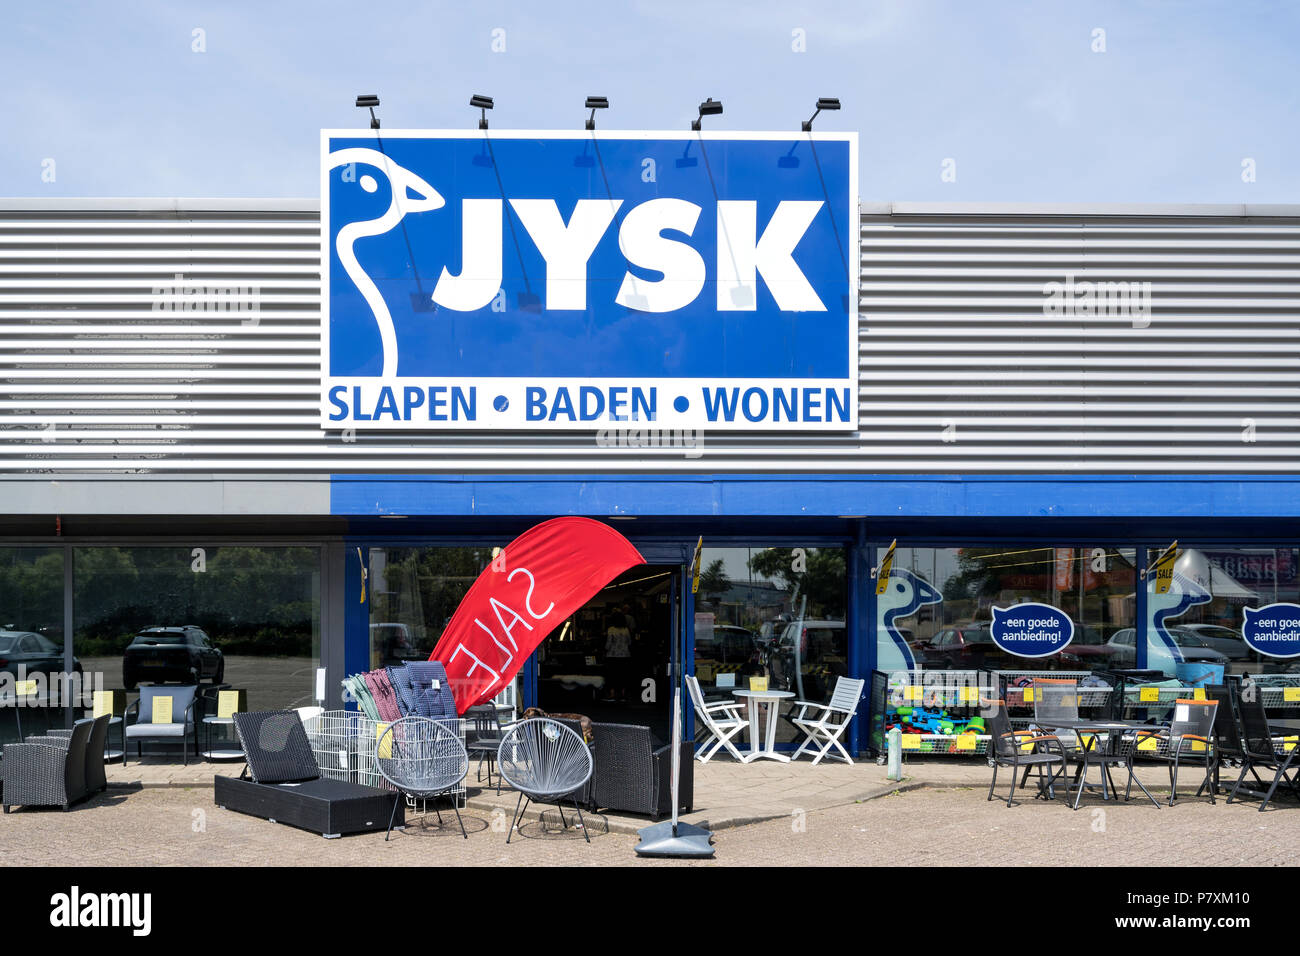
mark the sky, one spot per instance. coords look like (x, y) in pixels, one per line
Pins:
(954, 100)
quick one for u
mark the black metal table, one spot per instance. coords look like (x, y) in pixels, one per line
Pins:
(1086, 753)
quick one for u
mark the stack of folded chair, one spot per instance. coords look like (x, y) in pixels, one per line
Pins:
(413, 689)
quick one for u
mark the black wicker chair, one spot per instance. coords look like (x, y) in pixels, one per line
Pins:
(286, 785)
(46, 771)
(96, 779)
(633, 772)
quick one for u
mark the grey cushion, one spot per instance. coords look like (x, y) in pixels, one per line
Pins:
(158, 730)
(182, 698)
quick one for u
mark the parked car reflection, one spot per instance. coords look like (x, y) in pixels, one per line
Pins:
(180, 654)
(33, 653)
(1192, 647)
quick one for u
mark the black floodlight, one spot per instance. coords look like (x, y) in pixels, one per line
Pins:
(484, 103)
(369, 101)
(823, 103)
(595, 103)
(709, 107)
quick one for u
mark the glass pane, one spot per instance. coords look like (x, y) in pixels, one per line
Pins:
(937, 610)
(414, 592)
(1195, 624)
(31, 637)
(774, 611)
(248, 617)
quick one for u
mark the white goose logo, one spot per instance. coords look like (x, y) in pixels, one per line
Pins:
(402, 181)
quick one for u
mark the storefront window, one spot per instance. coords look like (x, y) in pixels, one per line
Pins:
(778, 612)
(937, 611)
(248, 617)
(1195, 624)
(414, 593)
(31, 631)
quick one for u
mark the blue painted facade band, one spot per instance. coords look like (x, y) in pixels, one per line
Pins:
(763, 507)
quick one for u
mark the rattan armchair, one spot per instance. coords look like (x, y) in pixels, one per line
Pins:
(46, 771)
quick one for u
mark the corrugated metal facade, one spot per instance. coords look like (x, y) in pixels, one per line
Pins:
(970, 361)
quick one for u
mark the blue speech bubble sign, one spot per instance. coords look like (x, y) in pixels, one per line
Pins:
(1031, 630)
(1272, 630)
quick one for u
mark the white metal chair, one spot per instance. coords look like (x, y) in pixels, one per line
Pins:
(823, 724)
(722, 720)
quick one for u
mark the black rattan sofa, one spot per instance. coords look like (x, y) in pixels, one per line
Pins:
(286, 785)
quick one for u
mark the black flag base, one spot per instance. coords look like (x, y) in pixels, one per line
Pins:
(679, 840)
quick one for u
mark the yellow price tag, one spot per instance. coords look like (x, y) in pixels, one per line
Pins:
(162, 710)
(1198, 745)
(1198, 693)
(911, 741)
(25, 688)
(1149, 743)
(1085, 741)
(1149, 694)
(227, 703)
(385, 747)
(1029, 695)
(912, 692)
(1290, 742)
(103, 703)
(966, 742)
(971, 695)
(1291, 694)
(758, 684)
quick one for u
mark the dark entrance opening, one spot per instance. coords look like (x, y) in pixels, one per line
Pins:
(612, 660)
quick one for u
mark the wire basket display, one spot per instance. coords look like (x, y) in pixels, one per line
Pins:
(937, 712)
(345, 744)
(1016, 683)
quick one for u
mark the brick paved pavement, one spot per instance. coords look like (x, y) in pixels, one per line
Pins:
(942, 825)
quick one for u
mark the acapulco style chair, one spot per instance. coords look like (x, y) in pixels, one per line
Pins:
(546, 762)
(424, 759)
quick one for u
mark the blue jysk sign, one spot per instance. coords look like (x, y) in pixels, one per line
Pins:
(1031, 630)
(579, 280)
(1273, 630)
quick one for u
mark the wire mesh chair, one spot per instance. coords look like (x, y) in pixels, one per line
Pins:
(546, 762)
(423, 759)
(1056, 707)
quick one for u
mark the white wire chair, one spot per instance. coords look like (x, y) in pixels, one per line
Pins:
(423, 759)
(546, 762)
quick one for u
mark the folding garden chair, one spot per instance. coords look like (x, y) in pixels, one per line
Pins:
(722, 720)
(823, 724)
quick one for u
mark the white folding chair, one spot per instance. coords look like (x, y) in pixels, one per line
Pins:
(823, 724)
(722, 720)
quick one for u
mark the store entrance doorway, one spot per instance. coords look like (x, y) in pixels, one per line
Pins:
(613, 660)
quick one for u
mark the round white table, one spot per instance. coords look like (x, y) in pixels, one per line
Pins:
(771, 702)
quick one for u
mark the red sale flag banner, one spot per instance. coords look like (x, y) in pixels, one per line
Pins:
(537, 581)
